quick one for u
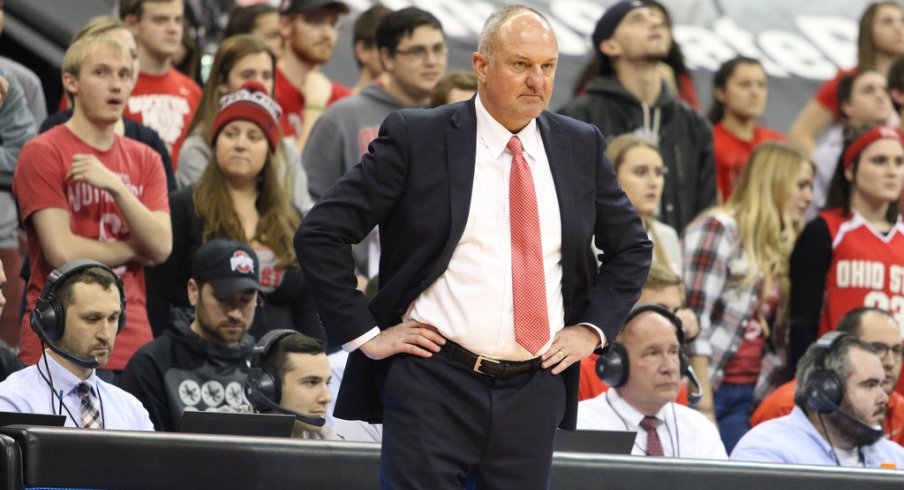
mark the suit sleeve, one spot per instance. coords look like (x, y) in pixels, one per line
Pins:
(343, 216)
(627, 252)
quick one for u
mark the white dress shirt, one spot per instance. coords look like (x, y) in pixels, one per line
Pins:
(29, 391)
(683, 431)
(471, 302)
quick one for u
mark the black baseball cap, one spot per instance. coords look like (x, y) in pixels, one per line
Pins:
(290, 6)
(228, 266)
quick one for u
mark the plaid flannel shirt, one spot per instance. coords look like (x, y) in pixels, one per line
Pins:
(715, 266)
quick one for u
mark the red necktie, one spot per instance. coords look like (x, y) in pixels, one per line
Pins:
(654, 444)
(528, 279)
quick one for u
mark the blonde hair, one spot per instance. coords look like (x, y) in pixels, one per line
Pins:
(616, 151)
(79, 51)
(757, 205)
(662, 276)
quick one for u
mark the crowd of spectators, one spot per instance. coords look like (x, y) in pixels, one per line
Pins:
(762, 247)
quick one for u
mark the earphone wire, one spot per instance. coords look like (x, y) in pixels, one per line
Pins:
(828, 438)
(625, 423)
(53, 391)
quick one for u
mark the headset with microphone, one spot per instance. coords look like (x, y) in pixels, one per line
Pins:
(824, 389)
(48, 318)
(263, 389)
(614, 367)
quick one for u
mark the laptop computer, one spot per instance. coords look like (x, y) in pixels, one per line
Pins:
(18, 418)
(595, 441)
(237, 424)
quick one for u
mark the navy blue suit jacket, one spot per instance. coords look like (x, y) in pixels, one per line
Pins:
(415, 183)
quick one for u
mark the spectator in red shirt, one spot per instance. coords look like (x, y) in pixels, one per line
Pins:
(310, 29)
(879, 41)
(163, 99)
(87, 193)
(739, 99)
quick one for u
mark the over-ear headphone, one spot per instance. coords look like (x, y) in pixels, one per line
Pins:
(48, 318)
(614, 368)
(824, 389)
(263, 389)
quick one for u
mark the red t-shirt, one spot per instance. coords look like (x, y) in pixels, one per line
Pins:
(292, 102)
(592, 386)
(781, 401)
(40, 183)
(732, 153)
(827, 95)
(165, 104)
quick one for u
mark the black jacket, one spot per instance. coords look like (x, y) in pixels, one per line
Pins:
(685, 140)
(289, 306)
(180, 370)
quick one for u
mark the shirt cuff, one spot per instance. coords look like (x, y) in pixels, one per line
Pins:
(598, 331)
(358, 342)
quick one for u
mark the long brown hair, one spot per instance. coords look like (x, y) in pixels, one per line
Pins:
(277, 218)
(866, 44)
(230, 52)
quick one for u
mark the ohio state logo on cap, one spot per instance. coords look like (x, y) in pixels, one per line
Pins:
(241, 262)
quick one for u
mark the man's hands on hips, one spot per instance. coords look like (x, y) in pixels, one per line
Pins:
(411, 337)
(571, 344)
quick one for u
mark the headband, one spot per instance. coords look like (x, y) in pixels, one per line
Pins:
(868, 138)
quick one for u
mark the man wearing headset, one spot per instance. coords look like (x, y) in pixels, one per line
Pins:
(200, 363)
(838, 414)
(77, 316)
(290, 374)
(644, 367)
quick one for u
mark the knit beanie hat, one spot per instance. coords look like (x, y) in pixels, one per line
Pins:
(249, 103)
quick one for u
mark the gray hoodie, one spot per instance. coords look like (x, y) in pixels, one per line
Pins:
(341, 135)
(684, 138)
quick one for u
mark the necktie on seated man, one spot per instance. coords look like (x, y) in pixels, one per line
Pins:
(90, 413)
(528, 278)
(654, 444)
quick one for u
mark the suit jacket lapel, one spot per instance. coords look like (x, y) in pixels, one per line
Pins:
(559, 152)
(461, 148)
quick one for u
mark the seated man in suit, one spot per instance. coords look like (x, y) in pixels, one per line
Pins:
(644, 368)
(839, 410)
(77, 315)
(873, 326)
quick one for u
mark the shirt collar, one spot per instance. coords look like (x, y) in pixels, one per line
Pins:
(63, 379)
(495, 136)
(628, 412)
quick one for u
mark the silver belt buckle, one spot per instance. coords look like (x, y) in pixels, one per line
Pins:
(478, 364)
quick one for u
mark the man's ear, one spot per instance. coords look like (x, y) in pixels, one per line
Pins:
(70, 84)
(897, 96)
(385, 58)
(610, 47)
(285, 26)
(194, 292)
(131, 23)
(480, 63)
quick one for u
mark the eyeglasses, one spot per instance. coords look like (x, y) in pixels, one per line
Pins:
(422, 52)
(883, 349)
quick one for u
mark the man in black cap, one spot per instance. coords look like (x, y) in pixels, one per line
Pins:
(629, 95)
(201, 363)
(309, 29)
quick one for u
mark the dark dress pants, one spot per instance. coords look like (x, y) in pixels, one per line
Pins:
(445, 426)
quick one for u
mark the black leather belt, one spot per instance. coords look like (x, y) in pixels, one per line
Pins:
(485, 365)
